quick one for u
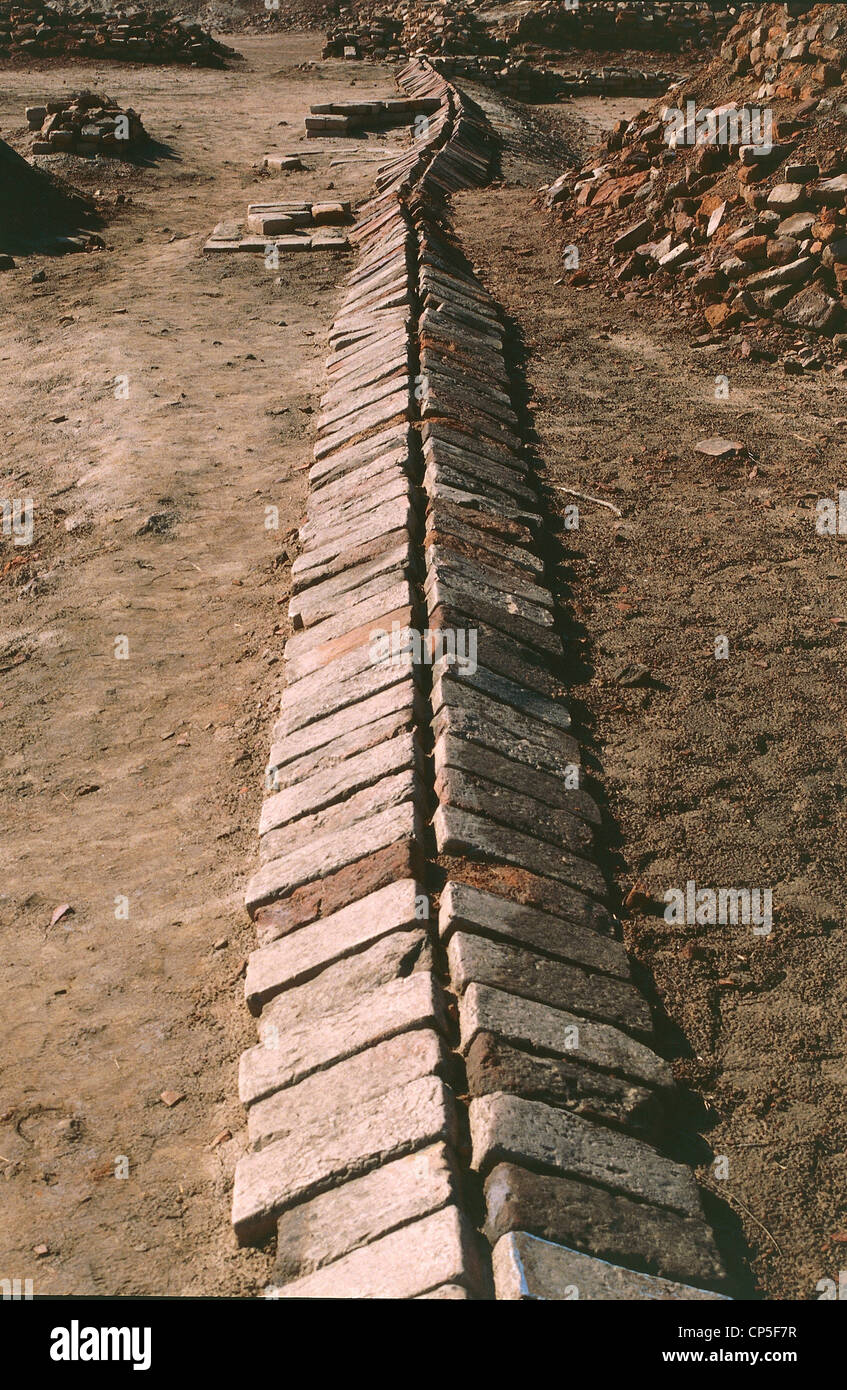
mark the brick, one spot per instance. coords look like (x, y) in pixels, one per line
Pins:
(467, 909)
(600, 1223)
(291, 1169)
(503, 728)
(527, 1268)
(494, 1065)
(342, 734)
(297, 957)
(322, 601)
(502, 690)
(475, 960)
(521, 599)
(353, 1215)
(349, 679)
(452, 751)
(525, 813)
(394, 791)
(395, 1062)
(529, 1133)
(558, 1032)
(423, 1256)
(354, 881)
(404, 1004)
(373, 549)
(446, 591)
(395, 515)
(462, 832)
(311, 794)
(329, 852)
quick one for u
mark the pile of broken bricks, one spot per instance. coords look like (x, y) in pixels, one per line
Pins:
(84, 124)
(288, 226)
(155, 36)
(441, 995)
(747, 238)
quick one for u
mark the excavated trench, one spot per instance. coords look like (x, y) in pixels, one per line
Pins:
(455, 1092)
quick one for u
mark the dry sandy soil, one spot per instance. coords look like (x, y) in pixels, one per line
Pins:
(141, 779)
(731, 773)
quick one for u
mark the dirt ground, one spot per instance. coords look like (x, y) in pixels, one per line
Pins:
(728, 772)
(133, 786)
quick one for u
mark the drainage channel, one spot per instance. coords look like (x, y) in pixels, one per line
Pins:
(454, 1092)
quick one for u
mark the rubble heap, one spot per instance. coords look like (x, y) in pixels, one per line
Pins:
(84, 124)
(608, 27)
(426, 27)
(524, 81)
(730, 201)
(138, 36)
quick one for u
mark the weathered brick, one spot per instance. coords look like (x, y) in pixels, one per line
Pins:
(441, 1249)
(336, 1146)
(512, 1130)
(528, 1268)
(463, 908)
(356, 1213)
(296, 957)
(400, 1006)
(558, 1032)
(476, 960)
(461, 832)
(601, 1223)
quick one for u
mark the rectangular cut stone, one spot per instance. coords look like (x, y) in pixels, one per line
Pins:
(527, 1132)
(528, 1268)
(600, 1223)
(558, 1032)
(353, 1215)
(425, 1255)
(475, 960)
(303, 953)
(324, 788)
(473, 758)
(329, 852)
(494, 1065)
(512, 808)
(461, 832)
(463, 908)
(333, 1146)
(414, 1001)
